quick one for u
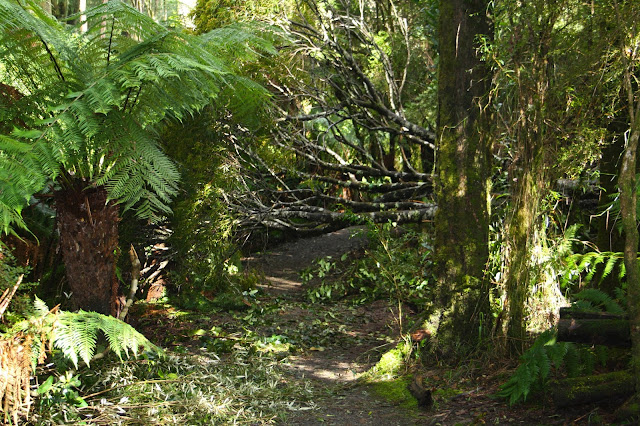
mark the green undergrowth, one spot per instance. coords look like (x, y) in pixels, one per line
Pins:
(396, 266)
(226, 363)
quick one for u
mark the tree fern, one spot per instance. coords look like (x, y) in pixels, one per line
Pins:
(94, 99)
(76, 335)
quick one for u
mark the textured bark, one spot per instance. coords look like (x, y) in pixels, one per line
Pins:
(521, 239)
(462, 171)
(528, 172)
(88, 226)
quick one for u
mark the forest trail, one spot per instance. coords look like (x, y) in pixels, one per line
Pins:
(355, 336)
(343, 341)
(283, 264)
(316, 352)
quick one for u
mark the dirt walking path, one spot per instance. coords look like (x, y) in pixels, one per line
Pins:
(355, 336)
(349, 340)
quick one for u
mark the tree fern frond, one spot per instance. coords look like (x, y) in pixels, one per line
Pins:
(611, 263)
(248, 40)
(40, 308)
(598, 298)
(75, 334)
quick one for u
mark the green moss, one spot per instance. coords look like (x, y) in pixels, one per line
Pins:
(392, 362)
(395, 391)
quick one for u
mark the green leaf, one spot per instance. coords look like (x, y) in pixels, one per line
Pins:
(46, 386)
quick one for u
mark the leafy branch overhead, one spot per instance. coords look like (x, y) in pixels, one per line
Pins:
(61, 89)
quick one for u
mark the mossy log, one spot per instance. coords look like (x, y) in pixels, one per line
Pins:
(591, 389)
(568, 312)
(608, 332)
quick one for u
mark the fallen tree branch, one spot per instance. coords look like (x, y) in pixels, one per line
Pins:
(8, 294)
(135, 277)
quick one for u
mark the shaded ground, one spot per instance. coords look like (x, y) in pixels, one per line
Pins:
(335, 343)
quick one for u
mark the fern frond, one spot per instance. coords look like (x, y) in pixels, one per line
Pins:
(600, 299)
(76, 333)
(40, 308)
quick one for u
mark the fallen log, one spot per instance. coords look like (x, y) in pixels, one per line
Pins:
(592, 389)
(568, 312)
(608, 332)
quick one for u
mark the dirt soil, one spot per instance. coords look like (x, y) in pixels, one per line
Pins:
(341, 341)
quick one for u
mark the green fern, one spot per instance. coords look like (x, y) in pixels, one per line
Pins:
(592, 299)
(577, 264)
(76, 334)
(547, 354)
(92, 101)
(534, 368)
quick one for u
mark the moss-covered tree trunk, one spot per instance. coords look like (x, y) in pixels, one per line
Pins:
(521, 238)
(462, 171)
(527, 178)
(627, 182)
(628, 200)
(88, 226)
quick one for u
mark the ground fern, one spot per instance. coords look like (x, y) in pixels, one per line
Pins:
(546, 353)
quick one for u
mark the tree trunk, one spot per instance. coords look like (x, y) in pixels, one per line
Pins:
(462, 172)
(88, 226)
(521, 238)
(628, 199)
(528, 171)
(82, 8)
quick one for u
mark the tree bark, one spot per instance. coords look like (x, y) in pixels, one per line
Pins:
(462, 172)
(88, 226)
(528, 171)
(628, 211)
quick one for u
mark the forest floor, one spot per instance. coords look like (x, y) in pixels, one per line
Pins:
(327, 350)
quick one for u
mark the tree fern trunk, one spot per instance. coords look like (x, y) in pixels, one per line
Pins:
(88, 226)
